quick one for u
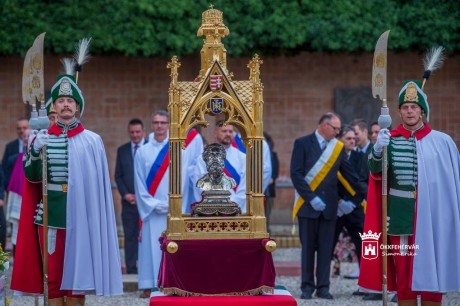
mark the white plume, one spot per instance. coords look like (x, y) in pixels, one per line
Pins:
(82, 51)
(69, 65)
(434, 58)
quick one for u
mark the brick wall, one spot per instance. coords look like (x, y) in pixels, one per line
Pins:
(297, 90)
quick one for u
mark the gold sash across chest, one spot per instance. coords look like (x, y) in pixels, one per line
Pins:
(319, 171)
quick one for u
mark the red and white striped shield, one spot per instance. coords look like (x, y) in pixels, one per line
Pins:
(216, 82)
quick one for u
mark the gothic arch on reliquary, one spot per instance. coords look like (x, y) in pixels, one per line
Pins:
(241, 103)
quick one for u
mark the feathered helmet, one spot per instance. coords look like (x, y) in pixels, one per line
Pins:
(412, 90)
(66, 83)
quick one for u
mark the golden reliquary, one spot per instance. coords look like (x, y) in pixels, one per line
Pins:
(215, 93)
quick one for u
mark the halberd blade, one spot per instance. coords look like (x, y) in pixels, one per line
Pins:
(32, 79)
(379, 68)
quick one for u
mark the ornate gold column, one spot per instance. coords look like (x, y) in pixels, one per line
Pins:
(255, 158)
(175, 145)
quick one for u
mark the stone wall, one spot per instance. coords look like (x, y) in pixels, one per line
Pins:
(297, 91)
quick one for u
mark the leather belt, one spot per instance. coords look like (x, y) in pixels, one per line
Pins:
(403, 193)
(58, 187)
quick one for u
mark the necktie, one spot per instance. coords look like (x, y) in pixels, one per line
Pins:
(324, 145)
(135, 148)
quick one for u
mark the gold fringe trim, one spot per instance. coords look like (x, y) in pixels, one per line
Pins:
(180, 292)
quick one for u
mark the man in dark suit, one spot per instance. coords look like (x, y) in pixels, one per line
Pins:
(13, 148)
(352, 219)
(363, 145)
(316, 160)
(124, 177)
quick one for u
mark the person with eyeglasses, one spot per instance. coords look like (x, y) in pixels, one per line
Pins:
(151, 185)
(336, 129)
(316, 160)
(151, 181)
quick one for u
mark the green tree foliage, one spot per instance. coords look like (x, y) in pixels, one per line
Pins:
(168, 27)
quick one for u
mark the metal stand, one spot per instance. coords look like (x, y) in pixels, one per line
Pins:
(38, 121)
(384, 123)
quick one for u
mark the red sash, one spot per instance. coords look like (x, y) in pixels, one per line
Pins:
(159, 168)
(161, 164)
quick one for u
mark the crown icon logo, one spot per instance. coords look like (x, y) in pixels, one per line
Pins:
(370, 235)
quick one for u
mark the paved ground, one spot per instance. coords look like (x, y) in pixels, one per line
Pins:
(341, 289)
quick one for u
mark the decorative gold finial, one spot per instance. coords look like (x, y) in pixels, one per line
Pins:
(212, 18)
(270, 246)
(174, 65)
(213, 29)
(254, 68)
(172, 247)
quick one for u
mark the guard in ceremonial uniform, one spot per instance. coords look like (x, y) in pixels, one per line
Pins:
(83, 252)
(423, 205)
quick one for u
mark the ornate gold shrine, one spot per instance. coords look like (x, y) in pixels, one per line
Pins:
(242, 104)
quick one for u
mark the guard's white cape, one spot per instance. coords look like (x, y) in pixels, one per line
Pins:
(436, 265)
(92, 259)
(238, 160)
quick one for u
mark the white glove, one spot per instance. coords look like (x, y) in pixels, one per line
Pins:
(339, 211)
(383, 140)
(318, 204)
(40, 140)
(346, 207)
(161, 208)
(32, 135)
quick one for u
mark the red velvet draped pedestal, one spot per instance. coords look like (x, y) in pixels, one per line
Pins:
(260, 300)
(217, 267)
